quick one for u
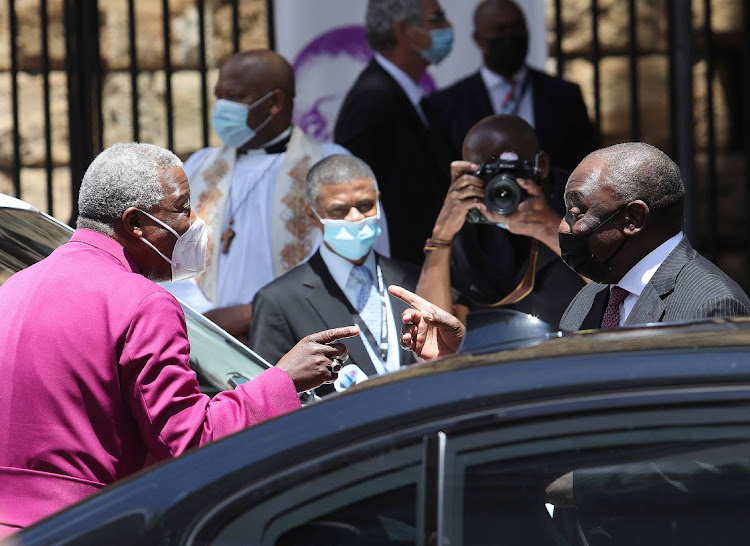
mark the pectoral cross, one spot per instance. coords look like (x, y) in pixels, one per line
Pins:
(227, 236)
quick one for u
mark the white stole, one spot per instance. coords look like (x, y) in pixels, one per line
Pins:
(293, 233)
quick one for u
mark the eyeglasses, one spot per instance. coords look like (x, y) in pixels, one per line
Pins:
(437, 17)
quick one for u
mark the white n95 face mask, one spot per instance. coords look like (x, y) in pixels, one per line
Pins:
(189, 253)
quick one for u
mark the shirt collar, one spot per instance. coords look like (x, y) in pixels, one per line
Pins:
(108, 245)
(340, 268)
(637, 278)
(493, 79)
(264, 149)
(412, 89)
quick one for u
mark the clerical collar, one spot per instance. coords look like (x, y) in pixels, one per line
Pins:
(276, 145)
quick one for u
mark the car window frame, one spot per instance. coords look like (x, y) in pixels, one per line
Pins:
(241, 507)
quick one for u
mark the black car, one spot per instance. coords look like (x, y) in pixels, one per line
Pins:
(653, 423)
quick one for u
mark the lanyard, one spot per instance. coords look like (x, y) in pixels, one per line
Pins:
(383, 345)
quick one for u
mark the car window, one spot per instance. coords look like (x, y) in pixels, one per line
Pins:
(219, 360)
(368, 501)
(27, 237)
(648, 479)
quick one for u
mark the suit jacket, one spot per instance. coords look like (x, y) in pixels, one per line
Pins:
(686, 286)
(378, 123)
(307, 299)
(562, 123)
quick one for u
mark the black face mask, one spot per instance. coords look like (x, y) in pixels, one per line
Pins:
(506, 53)
(577, 255)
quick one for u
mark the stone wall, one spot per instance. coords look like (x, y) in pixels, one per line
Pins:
(186, 81)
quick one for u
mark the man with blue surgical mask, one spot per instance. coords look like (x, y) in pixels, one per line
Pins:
(249, 190)
(344, 283)
(383, 121)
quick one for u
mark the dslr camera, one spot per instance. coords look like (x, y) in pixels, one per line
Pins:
(502, 194)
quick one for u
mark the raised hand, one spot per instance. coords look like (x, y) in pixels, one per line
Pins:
(428, 331)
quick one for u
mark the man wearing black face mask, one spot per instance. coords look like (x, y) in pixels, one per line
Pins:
(505, 85)
(623, 230)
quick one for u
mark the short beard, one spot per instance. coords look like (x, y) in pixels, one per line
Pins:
(157, 278)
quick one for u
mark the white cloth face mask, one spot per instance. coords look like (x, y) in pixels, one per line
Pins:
(189, 253)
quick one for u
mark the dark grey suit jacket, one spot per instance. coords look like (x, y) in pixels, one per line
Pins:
(307, 299)
(686, 286)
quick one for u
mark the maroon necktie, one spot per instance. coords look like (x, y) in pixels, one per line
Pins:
(611, 318)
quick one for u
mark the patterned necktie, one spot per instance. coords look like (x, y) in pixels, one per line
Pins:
(611, 318)
(368, 301)
(508, 103)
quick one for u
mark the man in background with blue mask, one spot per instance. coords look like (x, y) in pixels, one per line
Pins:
(344, 283)
(382, 119)
(250, 190)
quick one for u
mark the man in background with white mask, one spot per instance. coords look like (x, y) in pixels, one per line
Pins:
(343, 283)
(250, 190)
(95, 355)
(383, 122)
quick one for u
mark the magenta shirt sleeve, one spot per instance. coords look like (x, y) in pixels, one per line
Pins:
(163, 394)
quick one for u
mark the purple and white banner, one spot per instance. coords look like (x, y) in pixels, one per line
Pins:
(324, 40)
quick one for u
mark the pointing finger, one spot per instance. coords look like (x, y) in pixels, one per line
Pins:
(327, 336)
(409, 297)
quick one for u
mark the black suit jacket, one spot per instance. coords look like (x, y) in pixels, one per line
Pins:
(562, 123)
(378, 123)
(686, 286)
(307, 299)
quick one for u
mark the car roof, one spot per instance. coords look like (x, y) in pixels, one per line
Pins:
(6, 201)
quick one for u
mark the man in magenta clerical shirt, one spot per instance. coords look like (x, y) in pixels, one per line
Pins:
(94, 355)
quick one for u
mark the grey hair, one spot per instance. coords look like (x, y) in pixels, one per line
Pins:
(127, 174)
(334, 170)
(381, 14)
(637, 170)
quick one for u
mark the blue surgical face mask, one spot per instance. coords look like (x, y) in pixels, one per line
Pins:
(442, 43)
(352, 240)
(230, 121)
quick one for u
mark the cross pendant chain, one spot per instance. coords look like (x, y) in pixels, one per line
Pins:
(227, 236)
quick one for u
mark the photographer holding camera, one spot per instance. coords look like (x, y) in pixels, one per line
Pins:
(495, 240)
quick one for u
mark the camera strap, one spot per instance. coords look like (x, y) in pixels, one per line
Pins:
(526, 285)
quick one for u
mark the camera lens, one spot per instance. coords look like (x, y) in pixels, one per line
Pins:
(502, 194)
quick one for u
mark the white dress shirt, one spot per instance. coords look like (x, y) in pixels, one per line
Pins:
(412, 89)
(498, 87)
(340, 269)
(637, 278)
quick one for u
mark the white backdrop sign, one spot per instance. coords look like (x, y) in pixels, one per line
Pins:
(324, 40)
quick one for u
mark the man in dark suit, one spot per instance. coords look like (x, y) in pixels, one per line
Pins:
(516, 266)
(343, 283)
(382, 120)
(505, 85)
(623, 230)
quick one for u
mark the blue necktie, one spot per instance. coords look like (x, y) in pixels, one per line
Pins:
(369, 306)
